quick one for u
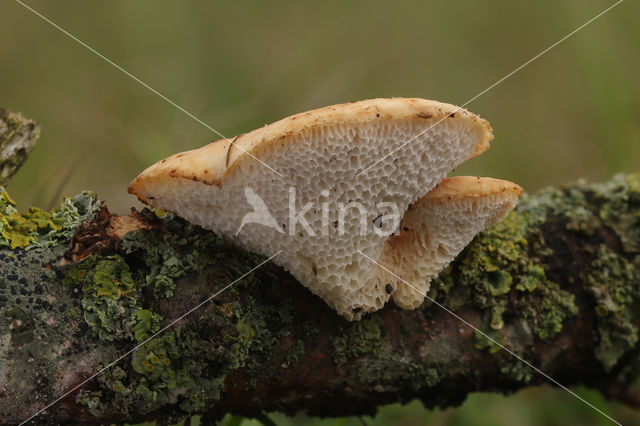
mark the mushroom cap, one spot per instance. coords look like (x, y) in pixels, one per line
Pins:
(212, 163)
(341, 170)
(437, 227)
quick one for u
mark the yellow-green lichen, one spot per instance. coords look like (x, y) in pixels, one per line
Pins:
(111, 299)
(39, 228)
(505, 258)
(491, 340)
(112, 293)
(178, 371)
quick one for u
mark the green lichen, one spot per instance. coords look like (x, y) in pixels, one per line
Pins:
(263, 346)
(178, 371)
(295, 352)
(39, 228)
(112, 293)
(491, 340)
(517, 371)
(111, 299)
(588, 207)
(362, 338)
(515, 249)
(503, 271)
(418, 376)
(547, 308)
(608, 278)
(166, 257)
(506, 258)
(146, 324)
(172, 371)
(167, 376)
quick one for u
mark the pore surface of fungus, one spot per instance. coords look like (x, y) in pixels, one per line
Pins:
(338, 189)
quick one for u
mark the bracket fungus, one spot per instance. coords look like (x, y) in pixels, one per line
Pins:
(354, 196)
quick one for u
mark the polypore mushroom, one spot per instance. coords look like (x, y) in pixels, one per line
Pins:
(323, 188)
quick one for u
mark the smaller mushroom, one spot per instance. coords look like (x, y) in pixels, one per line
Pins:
(436, 228)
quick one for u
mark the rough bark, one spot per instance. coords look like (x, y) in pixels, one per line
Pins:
(18, 136)
(558, 281)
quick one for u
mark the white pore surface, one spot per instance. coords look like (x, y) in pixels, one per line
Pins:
(328, 159)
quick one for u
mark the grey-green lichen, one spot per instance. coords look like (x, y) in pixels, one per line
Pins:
(362, 338)
(517, 371)
(503, 273)
(503, 259)
(182, 371)
(612, 278)
(18, 136)
(617, 304)
(112, 293)
(295, 352)
(178, 370)
(112, 299)
(166, 259)
(40, 330)
(587, 207)
(512, 256)
(38, 228)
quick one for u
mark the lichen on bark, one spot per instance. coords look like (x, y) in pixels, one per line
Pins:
(18, 136)
(556, 282)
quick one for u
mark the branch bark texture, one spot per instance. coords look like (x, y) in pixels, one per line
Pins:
(18, 136)
(557, 282)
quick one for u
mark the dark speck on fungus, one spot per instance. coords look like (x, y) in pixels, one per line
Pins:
(388, 288)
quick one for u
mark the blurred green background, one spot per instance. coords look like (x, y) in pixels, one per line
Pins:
(238, 65)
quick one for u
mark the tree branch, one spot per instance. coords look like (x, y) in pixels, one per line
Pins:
(557, 282)
(18, 136)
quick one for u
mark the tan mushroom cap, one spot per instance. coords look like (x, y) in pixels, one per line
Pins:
(212, 163)
(466, 187)
(437, 227)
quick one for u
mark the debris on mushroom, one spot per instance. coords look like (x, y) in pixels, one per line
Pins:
(353, 196)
